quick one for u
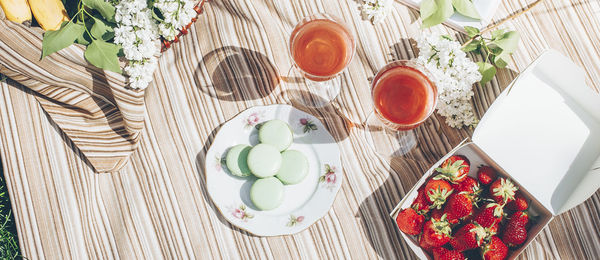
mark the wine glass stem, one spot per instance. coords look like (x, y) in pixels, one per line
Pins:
(385, 141)
(325, 91)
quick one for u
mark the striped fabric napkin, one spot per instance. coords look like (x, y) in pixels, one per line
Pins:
(93, 108)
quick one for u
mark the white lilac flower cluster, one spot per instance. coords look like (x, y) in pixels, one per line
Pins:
(137, 33)
(454, 75)
(376, 10)
(177, 14)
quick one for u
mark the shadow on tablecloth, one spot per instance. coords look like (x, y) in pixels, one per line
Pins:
(237, 74)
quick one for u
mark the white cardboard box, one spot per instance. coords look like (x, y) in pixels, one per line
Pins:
(486, 9)
(543, 132)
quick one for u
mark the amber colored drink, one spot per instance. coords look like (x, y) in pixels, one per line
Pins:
(404, 97)
(321, 48)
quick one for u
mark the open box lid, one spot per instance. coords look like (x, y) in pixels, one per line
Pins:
(544, 130)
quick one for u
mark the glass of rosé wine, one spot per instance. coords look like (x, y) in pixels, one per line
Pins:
(403, 98)
(321, 46)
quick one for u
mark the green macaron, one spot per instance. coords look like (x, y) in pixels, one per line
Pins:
(267, 193)
(237, 160)
(294, 167)
(264, 160)
(277, 133)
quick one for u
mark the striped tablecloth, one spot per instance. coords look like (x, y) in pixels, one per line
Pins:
(234, 58)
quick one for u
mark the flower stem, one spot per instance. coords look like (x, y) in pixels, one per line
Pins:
(513, 16)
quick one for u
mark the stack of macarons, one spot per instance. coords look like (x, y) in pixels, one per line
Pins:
(270, 162)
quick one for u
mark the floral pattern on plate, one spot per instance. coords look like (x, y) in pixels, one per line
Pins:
(254, 119)
(329, 178)
(293, 221)
(219, 161)
(307, 125)
(241, 213)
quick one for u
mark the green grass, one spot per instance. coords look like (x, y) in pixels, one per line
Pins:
(9, 243)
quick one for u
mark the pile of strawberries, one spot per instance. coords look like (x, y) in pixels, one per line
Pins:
(456, 216)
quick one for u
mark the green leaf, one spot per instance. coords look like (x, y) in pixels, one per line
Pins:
(106, 9)
(471, 31)
(497, 33)
(103, 55)
(442, 11)
(495, 49)
(156, 15)
(472, 46)
(57, 40)
(488, 71)
(101, 30)
(508, 41)
(84, 38)
(447, 37)
(466, 8)
(427, 8)
(500, 60)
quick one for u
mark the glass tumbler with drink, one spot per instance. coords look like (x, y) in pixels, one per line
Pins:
(404, 97)
(321, 47)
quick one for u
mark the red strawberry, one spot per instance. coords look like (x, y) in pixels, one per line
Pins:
(421, 203)
(454, 169)
(459, 205)
(486, 175)
(471, 217)
(520, 217)
(410, 222)
(468, 185)
(503, 190)
(438, 252)
(437, 192)
(493, 230)
(489, 215)
(514, 236)
(423, 243)
(469, 236)
(437, 213)
(519, 203)
(436, 232)
(515, 232)
(495, 249)
(453, 255)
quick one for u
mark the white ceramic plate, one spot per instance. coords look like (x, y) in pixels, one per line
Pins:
(304, 203)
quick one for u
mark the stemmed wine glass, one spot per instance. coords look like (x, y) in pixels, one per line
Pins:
(321, 46)
(404, 96)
